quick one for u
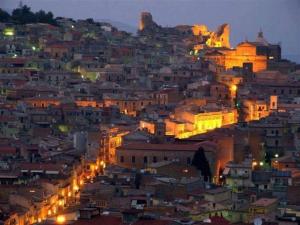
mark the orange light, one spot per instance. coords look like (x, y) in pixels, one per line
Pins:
(233, 87)
(61, 219)
(75, 188)
(60, 202)
(49, 212)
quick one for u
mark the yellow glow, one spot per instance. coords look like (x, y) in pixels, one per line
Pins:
(276, 155)
(254, 163)
(39, 220)
(261, 163)
(9, 32)
(69, 194)
(75, 188)
(61, 219)
(49, 212)
(81, 182)
(233, 87)
(61, 202)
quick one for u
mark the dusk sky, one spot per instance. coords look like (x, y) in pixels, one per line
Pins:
(279, 19)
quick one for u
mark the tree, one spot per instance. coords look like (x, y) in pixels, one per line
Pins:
(23, 15)
(90, 20)
(43, 17)
(201, 163)
(4, 16)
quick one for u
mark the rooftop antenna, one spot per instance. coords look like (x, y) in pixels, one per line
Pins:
(260, 33)
(21, 4)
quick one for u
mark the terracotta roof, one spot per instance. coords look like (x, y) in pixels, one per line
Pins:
(7, 150)
(101, 220)
(160, 147)
(293, 196)
(152, 222)
(7, 118)
(218, 220)
(40, 166)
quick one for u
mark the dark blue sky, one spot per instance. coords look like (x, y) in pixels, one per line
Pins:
(279, 19)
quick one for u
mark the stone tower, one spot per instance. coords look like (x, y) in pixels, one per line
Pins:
(146, 22)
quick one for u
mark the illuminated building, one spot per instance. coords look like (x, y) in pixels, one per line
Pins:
(219, 38)
(255, 109)
(129, 105)
(186, 123)
(244, 56)
(110, 139)
(140, 155)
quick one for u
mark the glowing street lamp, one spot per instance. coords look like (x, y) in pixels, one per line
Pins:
(233, 87)
(261, 163)
(61, 219)
(276, 155)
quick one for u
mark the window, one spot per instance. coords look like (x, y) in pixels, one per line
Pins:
(133, 159)
(188, 160)
(122, 159)
(154, 159)
(166, 158)
(145, 159)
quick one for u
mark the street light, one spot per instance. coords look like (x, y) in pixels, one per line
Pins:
(61, 219)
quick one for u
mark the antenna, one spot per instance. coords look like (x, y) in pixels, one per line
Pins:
(21, 4)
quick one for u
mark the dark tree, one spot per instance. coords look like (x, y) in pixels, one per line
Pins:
(4, 16)
(137, 180)
(43, 17)
(23, 15)
(201, 163)
(268, 158)
(90, 20)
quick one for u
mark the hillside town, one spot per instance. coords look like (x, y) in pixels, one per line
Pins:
(168, 126)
